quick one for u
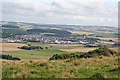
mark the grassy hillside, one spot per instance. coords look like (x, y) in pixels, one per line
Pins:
(33, 54)
(100, 63)
(70, 68)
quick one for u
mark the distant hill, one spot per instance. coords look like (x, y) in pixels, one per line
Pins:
(98, 30)
(55, 31)
(56, 25)
(9, 26)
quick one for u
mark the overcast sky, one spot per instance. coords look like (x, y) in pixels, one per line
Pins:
(83, 12)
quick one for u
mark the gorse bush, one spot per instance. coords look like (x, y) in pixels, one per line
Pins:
(97, 76)
(8, 57)
(103, 51)
(30, 47)
(115, 69)
(65, 56)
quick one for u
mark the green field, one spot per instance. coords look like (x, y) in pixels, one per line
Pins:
(106, 35)
(34, 54)
(44, 54)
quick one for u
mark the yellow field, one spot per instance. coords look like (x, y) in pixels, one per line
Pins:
(65, 44)
(80, 32)
(114, 39)
(78, 50)
(14, 46)
(10, 46)
(85, 49)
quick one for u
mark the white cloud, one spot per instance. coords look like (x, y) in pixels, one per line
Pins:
(62, 11)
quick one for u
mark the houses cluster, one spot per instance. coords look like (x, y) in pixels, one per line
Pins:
(47, 39)
(23, 38)
(89, 42)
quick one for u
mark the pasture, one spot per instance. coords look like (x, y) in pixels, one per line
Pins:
(33, 54)
(45, 54)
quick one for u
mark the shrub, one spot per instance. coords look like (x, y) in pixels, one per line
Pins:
(31, 47)
(97, 76)
(9, 57)
(115, 69)
(103, 51)
(65, 56)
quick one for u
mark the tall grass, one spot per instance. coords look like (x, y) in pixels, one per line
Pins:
(69, 68)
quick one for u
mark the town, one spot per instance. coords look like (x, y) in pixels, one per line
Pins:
(41, 38)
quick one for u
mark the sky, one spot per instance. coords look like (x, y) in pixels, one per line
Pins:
(79, 12)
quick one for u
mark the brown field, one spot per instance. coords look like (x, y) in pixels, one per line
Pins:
(115, 49)
(109, 43)
(106, 32)
(10, 46)
(85, 49)
(65, 44)
(80, 32)
(24, 27)
(78, 50)
(114, 39)
(56, 28)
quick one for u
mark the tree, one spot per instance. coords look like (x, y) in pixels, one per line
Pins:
(29, 44)
(46, 47)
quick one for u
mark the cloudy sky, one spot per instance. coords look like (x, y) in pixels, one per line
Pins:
(81, 12)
